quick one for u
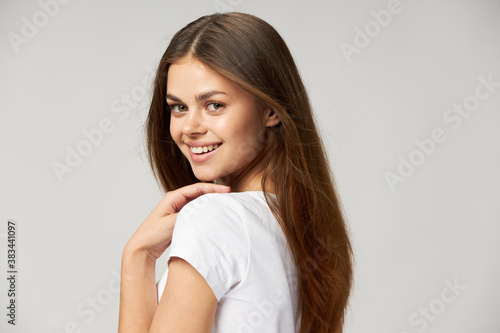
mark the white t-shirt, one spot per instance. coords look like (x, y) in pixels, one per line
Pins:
(236, 244)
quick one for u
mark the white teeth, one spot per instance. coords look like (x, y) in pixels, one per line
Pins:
(204, 149)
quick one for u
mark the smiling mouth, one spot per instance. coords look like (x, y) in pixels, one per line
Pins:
(204, 149)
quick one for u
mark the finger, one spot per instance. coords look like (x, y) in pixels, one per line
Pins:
(197, 189)
(173, 201)
(191, 192)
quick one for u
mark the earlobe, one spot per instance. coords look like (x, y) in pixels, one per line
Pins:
(272, 118)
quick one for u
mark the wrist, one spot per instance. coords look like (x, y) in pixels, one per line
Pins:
(136, 255)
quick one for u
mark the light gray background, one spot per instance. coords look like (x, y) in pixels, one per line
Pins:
(440, 224)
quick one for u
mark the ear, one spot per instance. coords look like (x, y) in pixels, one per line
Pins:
(272, 118)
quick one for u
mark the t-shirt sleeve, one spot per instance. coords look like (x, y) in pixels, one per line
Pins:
(210, 234)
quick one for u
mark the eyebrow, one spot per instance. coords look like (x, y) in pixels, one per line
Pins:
(200, 97)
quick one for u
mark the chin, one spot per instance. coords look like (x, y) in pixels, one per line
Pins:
(205, 179)
(204, 176)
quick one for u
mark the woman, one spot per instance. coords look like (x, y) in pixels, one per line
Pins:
(260, 243)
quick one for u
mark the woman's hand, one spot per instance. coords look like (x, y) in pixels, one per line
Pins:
(154, 235)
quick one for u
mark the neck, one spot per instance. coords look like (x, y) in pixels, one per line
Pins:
(250, 178)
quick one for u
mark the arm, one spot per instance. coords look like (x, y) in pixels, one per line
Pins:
(187, 304)
(138, 303)
(137, 292)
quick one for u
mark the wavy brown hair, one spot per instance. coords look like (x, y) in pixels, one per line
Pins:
(249, 52)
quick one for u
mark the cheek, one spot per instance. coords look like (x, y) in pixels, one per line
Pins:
(246, 144)
(246, 135)
(174, 131)
(174, 126)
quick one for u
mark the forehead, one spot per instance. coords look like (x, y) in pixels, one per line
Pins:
(190, 73)
(189, 76)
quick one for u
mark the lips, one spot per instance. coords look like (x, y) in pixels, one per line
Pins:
(201, 143)
(204, 149)
(199, 158)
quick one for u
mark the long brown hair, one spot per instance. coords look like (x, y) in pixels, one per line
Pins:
(251, 53)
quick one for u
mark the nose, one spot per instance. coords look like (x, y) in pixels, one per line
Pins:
(193, 124)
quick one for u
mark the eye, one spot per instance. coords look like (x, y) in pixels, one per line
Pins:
(178, 108)
(214, 106)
